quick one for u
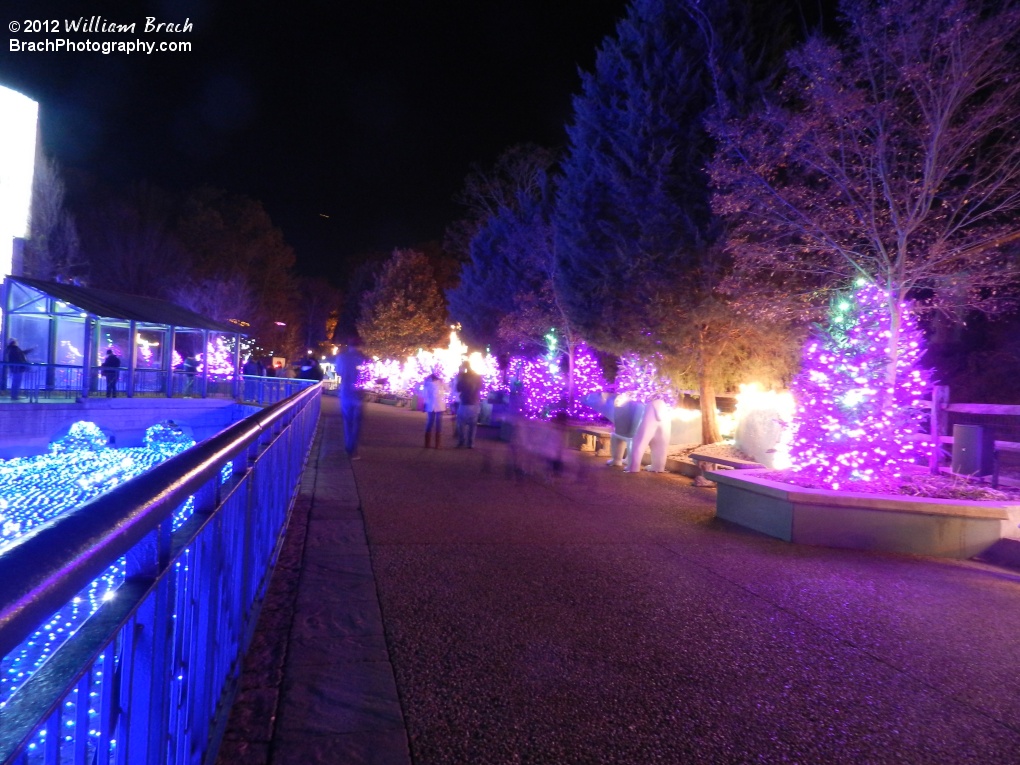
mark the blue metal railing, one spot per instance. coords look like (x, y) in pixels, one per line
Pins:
(63, 381)
(147, 678)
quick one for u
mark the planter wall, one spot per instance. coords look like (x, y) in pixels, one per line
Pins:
(879, 522)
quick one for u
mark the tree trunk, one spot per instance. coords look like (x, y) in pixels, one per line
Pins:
(893, 349)
(568, 338)
(709, 423)
(706, 388)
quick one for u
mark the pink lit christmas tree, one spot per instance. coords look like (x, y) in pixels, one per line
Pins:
(858, 390)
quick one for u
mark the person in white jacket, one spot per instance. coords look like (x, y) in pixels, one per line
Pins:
(435, 394)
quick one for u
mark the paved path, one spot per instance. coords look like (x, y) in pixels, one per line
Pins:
(467, 614)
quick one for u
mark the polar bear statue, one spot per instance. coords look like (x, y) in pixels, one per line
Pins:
(653, 431)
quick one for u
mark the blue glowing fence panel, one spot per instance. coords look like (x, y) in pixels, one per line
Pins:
(148, 678)
(47, 382)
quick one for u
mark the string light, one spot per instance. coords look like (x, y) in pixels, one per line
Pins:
(857, 403)
(78, 468)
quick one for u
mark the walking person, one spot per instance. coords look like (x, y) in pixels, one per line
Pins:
(251, 370)
(435, 407)
(350, 397)
(190, 368)
(15, 359)
(111, 371)
(469, 391)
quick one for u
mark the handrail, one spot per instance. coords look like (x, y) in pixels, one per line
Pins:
(48, 567)
(53, 562)
(47, 381)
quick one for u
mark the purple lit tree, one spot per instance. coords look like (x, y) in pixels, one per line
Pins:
(643, 380)
(856, 404)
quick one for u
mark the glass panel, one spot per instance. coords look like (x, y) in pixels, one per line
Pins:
(115, 338)
(26, 299)
(186, 344)
(150, 349)
(70, 341)
(32, 334)
(60, 307)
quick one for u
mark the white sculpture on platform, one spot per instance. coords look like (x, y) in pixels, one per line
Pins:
(653, 431)
(625, 414)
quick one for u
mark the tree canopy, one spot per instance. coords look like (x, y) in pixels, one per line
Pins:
(891, 153)
(640, 255)
(405, 310)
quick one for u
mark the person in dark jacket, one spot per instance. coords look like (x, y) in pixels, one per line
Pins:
(111, 371)
(469, 390)
(16, 360)
(310, 369)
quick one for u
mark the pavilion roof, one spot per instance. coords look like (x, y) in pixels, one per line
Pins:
(118, 305)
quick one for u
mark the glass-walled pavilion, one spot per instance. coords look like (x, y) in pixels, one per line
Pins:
(67, 329)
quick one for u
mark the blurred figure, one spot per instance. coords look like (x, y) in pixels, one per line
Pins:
(469, 391)
(251, 370)
(310, 369)
(350, 397)
(16, 359)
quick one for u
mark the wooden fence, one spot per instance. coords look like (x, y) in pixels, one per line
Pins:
(941, 434)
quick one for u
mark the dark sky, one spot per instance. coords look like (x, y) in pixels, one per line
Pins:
(368, 111)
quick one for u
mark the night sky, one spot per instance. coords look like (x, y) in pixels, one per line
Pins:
(366, 111)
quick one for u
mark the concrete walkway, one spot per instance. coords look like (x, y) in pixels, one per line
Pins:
(439, 607)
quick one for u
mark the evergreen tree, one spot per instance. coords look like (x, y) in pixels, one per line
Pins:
(640, 256)
(484, 295)
(626, 217)
(505, 297)
(849, 423)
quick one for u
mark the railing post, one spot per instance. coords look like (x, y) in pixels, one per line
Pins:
(88, 350)
(939, 425)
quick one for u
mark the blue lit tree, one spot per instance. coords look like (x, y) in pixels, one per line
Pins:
(640, 254)
(506, 297)
(856, 405)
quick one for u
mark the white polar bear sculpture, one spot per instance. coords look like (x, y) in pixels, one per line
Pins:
(625, 416)
(653, 431)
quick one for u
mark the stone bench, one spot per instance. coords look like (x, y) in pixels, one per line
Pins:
(701, 460)
(594, 438)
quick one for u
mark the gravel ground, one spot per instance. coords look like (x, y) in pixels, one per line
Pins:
(593, 616)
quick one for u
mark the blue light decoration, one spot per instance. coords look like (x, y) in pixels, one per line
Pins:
(858, 392)
(79, 467)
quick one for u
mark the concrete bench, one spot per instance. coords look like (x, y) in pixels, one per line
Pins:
(701, 460)
(594, 436)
